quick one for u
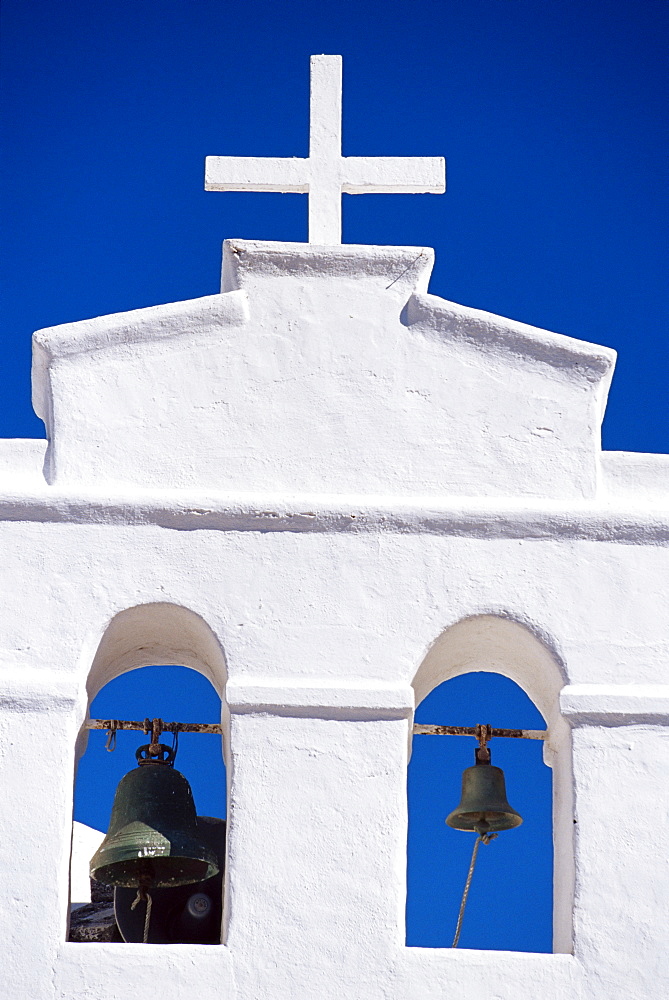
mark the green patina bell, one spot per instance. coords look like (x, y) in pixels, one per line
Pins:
(483, 807)
(153, 838)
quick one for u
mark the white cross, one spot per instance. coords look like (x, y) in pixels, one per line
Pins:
(325, 173)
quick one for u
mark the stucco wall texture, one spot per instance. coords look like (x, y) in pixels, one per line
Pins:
(329, 491)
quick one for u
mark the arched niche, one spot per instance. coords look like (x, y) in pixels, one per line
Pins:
(499, 644)
(146, 636)
(156, 633)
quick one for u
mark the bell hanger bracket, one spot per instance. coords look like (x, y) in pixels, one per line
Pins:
(152, 753)
(155, 727)
(214, 729)
(476, 731)
(482, 752)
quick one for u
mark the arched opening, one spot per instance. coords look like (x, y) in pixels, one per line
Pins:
(510, 903)
(459, 684)
(154, 661)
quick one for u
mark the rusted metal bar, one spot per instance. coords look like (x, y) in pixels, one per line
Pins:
(165, 727)
(214, 729)
(519, 734)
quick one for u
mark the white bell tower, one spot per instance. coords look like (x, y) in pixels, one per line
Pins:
(329, 490)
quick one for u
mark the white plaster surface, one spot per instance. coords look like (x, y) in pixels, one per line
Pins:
(22, 463)
(325, 173)
(644, 478)
(85, 842)
(323, 370)
(245, 484)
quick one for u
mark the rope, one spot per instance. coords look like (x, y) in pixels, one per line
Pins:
(483, 838)
(147, 918)
(142, 895)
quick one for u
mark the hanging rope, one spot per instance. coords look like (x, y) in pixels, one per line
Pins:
(483, 838)
(143, 895)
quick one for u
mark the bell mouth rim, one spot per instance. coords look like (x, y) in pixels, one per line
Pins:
(509, 821)
(114, 857)
(105, 872)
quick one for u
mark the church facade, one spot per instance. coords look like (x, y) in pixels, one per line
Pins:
(329, 491)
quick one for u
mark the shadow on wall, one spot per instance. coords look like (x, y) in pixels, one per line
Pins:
(510, 902)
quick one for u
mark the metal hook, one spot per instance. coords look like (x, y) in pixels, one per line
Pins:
(175, 738)
(110, 745)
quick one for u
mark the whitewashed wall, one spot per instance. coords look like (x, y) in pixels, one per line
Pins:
(323, 489)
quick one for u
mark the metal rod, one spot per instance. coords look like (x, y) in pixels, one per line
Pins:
(214, 729)
(518, 734)
(166, 727)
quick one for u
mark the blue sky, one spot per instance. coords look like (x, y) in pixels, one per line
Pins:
(551, 114)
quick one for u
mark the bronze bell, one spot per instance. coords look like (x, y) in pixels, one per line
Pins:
(153, 839)
(483, 807)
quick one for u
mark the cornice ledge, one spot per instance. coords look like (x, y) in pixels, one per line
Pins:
(398, 269)
(615, 704)
(317, 698)
(466, 516)
(28, 690)
(487, 331)
(203, 315)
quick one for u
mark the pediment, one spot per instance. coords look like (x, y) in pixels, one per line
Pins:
(326, 370)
